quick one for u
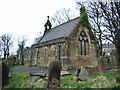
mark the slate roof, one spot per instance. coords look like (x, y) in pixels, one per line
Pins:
(60, 31)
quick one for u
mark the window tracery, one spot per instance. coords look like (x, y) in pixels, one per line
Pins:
(83, 42)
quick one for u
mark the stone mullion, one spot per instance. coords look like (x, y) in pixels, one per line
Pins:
(80, 47)
(84, 47)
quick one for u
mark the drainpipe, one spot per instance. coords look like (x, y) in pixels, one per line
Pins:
(59, 53)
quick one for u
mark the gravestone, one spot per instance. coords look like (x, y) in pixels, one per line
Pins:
(5, 74)
(82, 74)
(54, 70)
(92, 70)
(102, 64)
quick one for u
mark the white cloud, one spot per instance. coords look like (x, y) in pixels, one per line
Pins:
(27, 17)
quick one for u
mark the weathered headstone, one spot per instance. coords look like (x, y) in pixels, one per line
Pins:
(92, 70)
(54, 70)
(83, 75)
(5, 74)
(101, 64)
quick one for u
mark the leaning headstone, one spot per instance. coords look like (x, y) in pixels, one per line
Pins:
(83, 75)
(54, 70)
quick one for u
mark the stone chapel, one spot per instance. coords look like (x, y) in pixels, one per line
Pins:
(72, 46)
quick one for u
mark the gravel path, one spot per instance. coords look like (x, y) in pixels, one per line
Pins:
(34, 70)
(29, 70)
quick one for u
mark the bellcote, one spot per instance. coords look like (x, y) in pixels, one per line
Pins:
(47, 25)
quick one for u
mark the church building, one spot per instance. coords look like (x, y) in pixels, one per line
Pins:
(72, 44)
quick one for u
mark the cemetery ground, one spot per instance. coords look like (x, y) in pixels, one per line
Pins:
(24, 80)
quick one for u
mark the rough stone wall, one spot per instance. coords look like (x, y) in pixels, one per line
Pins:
(33, 58)
(42, 56)
(27, 54)
(67, 51)
(47, 53)
(77, 60)
(64, 58)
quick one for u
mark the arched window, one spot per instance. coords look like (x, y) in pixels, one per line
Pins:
(83, 44)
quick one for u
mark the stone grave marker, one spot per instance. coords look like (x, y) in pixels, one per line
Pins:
(37, 76)
(5, 74)
(83, 75)
(102, 64)
(54, 70)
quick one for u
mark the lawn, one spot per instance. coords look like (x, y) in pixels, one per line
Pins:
(106, 80)
(18, 66)
(19, 80)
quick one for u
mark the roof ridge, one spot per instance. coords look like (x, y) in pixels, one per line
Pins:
(64, 29)
(64, 23)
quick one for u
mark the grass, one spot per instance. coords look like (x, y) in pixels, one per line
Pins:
(106, 80)
(23, 80)
(110, 76)
(18, 66)
(18, 80)
(69, 82)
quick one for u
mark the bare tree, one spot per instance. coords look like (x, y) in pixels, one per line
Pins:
(38, 38)
(6, 43)
(111, 14)
(107, 16)
(21, 45)
(62, 16)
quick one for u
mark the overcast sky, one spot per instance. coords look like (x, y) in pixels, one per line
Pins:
(27, 17)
